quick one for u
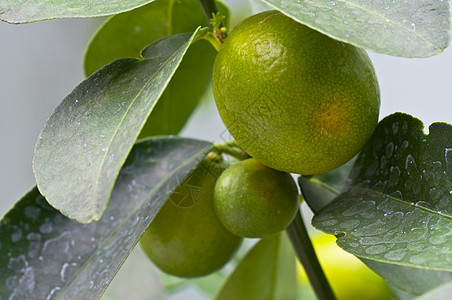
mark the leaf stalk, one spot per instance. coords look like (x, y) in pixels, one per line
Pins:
(306, 254)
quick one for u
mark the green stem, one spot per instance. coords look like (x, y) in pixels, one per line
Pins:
(305, 251)
(324, 185)
(228, 148)
(213, 40)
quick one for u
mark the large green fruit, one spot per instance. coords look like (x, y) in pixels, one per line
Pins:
(255, 201)
(186, 238)
(293, 98)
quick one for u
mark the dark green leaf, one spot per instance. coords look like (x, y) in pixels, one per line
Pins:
(414, 281)
(442, 292)
(126, 34)
(86, 140)
(43, 253)
(401, 28)
(398, 207)
(321, 189)
(267, 272)
(26, 11)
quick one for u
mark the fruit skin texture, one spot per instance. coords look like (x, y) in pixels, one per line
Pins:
(293, 98)
(255, 201)
(189, 240)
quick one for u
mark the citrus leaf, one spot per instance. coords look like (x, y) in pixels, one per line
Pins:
(397, 208)
(321, 189)
(45, 255)
(86, 140)
(267, 272)
(442, 292)
(414, 281)
(26, 11)
(400, 28)
(126, 34)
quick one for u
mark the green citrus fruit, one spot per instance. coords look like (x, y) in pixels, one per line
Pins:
(293, 98)
(255, 201)
(349, 277)
(186, 238)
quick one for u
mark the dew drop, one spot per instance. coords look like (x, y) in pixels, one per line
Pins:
(405, 144)
(410, 164)
(52, 292)
(349, 224)
(438, 240)
(448, 159)
(330, 222)
(389, 149)
(18, 264)
(395, 255)
(395, 127)
(32, 212)
(16, 235)
(394, 174)
(34, 246)
(376, 249)
(46, 228)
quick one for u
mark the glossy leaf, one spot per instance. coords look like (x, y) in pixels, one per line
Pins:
(321, 189)
(267, 272)
(126, 34)
(45, 255)
(26, 11)
(86, 140)
(398, 207)
(401, 28)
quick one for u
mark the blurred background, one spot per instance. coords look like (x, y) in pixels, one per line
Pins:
(40, 63)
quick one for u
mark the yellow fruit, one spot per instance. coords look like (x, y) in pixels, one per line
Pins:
(347, 275)
(293, 98)
(186, 238)
(255, 201)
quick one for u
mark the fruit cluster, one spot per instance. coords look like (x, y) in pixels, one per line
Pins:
(202, 223)
(298, 102)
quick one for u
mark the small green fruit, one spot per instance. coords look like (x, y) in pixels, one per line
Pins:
(255, 201)
(186, 238)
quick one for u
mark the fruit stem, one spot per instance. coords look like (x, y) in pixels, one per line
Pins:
(213, 40)
(228, 148)
(306, 254)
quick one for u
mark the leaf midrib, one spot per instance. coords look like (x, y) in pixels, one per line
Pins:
(96, 191)
(138, 207)
(392, 21)
(370, 12)
(327, 187)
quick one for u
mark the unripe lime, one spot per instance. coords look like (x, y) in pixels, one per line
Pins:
(255, 201)
(186, 238)
(293, 98)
